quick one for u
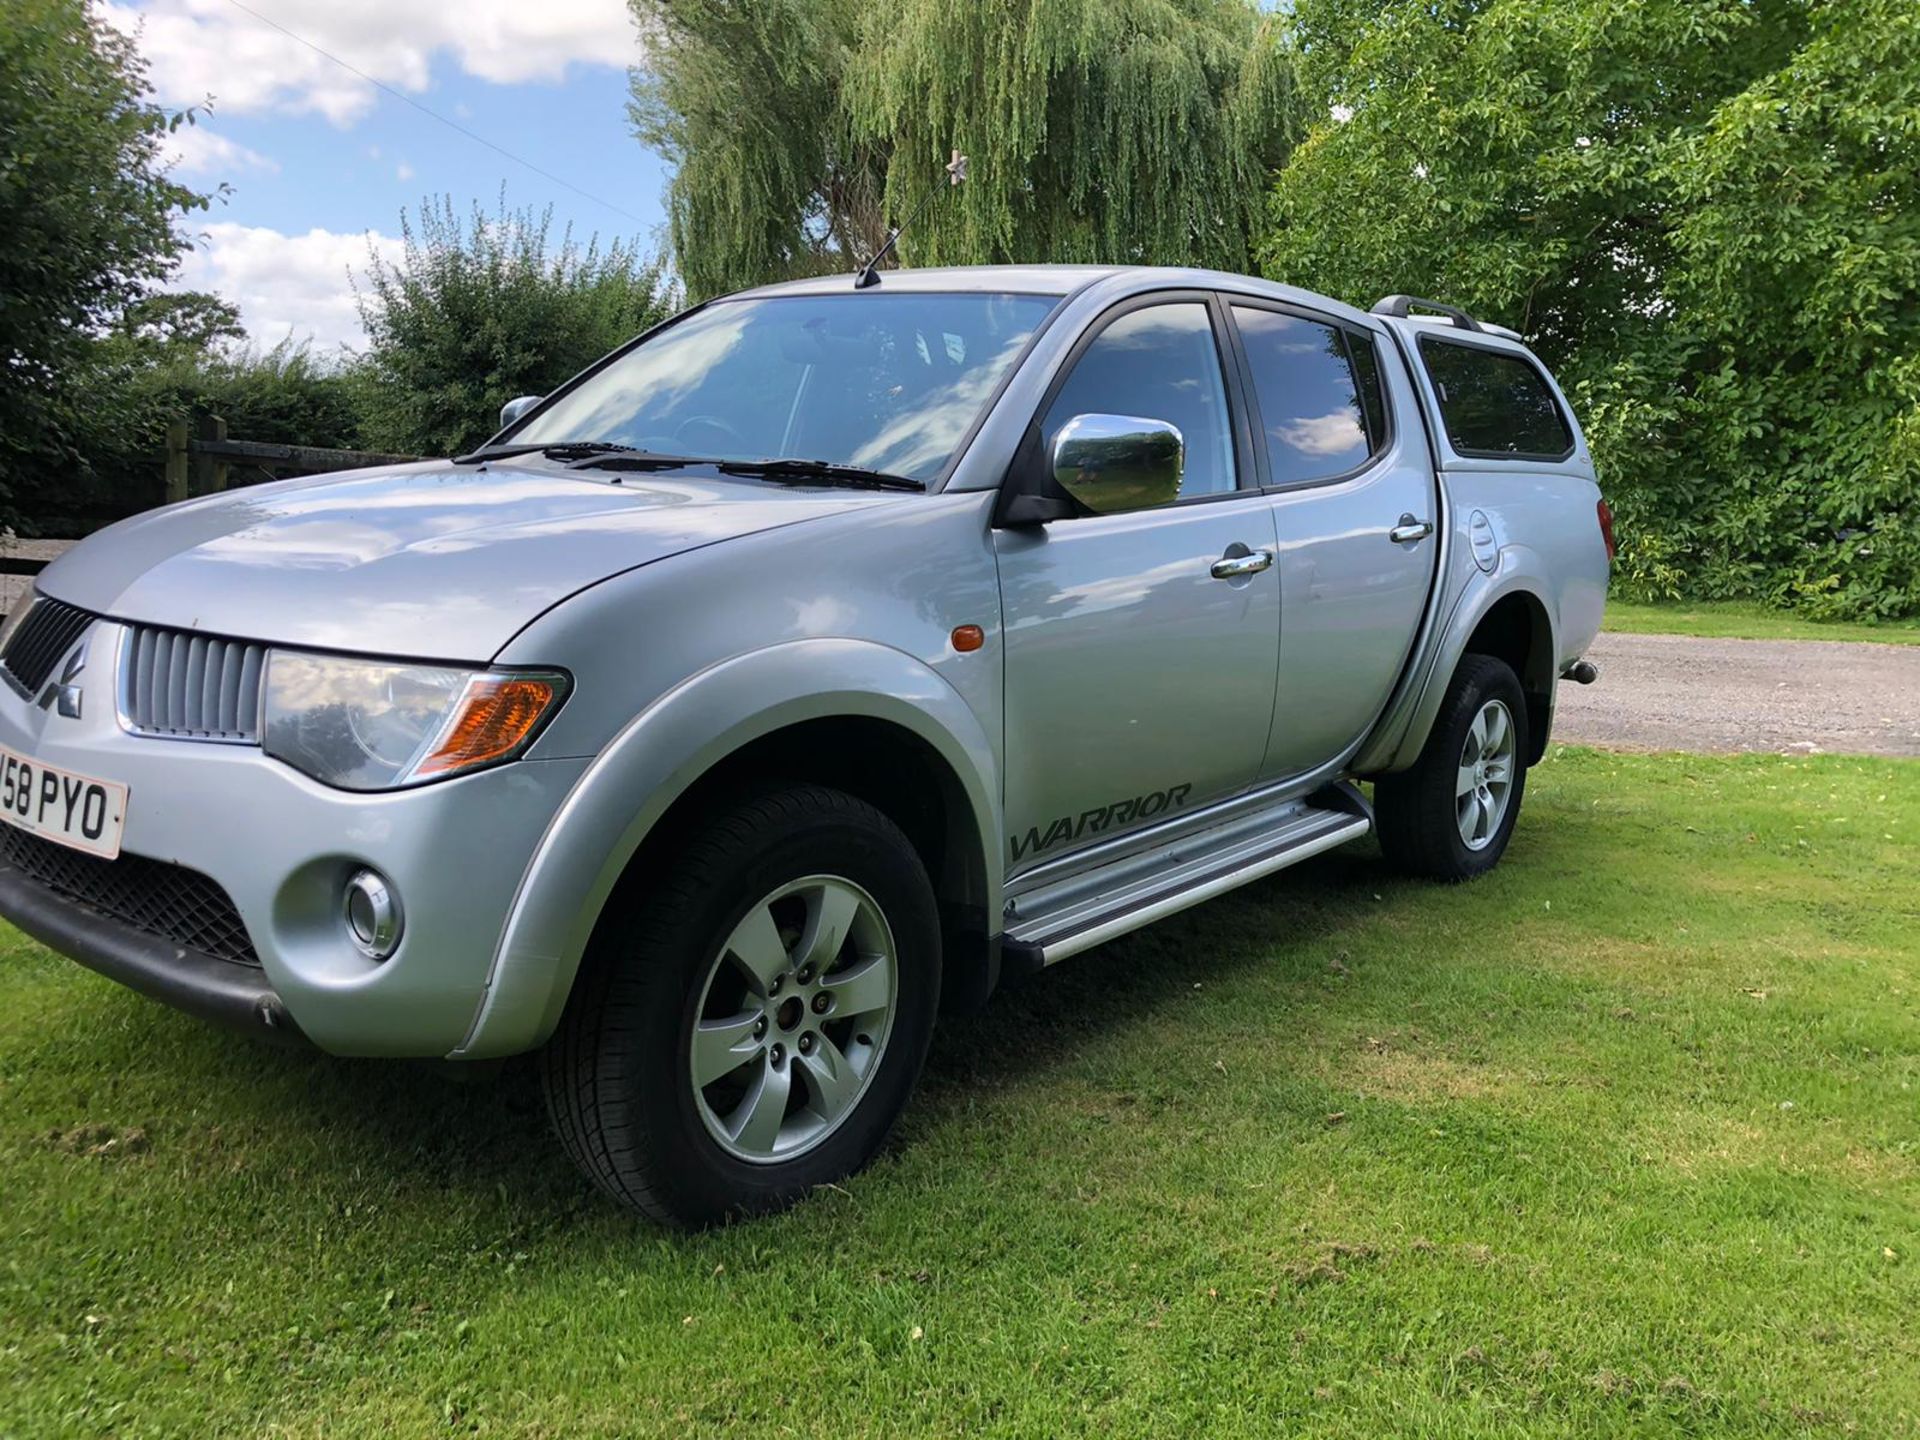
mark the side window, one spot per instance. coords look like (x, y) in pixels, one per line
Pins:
(1318, 389)
(1159, 363)
(1366, 371)
(1494, 402)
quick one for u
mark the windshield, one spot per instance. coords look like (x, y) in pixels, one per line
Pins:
(881, 382)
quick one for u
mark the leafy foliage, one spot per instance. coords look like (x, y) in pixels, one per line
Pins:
(746, 101)
(1099, 130)
(1706, 214)
(86, 227)
(285, 395)
(479, 312)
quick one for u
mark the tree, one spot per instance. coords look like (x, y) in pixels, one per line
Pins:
(479, 312)
(745, 99)
(171, 321)
(1705, 214)
(87, 215)
(1136, 131)
(1797, 270)
(1099, 130)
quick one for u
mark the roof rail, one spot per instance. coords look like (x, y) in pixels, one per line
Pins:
(1401, 308)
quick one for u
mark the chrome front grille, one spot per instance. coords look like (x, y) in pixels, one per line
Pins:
(48, 632)
(191, 687)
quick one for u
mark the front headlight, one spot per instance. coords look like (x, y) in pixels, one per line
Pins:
(376, 725)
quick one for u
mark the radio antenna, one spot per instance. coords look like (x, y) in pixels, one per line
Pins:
(870, 272)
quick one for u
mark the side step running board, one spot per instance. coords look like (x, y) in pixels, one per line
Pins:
(1047, 925)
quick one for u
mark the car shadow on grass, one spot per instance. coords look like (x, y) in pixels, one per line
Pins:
(482, 1130)
(1282, 924)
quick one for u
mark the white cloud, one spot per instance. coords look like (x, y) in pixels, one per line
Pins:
(196, 150)
(1334, 433)
(403, 171)
(197, 48)
(298, 285)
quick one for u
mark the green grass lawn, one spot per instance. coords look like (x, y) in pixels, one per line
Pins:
(1623, 1140)
(1734, 620)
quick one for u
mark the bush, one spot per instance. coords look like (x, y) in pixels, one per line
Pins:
(475, 314)
(283, 395)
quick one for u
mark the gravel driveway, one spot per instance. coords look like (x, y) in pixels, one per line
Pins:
(1677, 692)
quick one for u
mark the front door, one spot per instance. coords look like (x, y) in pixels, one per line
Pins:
(1138, 684)
(1354, 506)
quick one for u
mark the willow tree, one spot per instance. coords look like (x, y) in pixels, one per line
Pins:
(745, 99)
(1098, 130)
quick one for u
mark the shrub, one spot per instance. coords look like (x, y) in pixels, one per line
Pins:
(477, 313)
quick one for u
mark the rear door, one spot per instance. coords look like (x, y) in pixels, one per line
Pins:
(1347, 468)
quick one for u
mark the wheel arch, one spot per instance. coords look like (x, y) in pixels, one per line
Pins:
(888, 729)
(1515, 628)
(1507, 616)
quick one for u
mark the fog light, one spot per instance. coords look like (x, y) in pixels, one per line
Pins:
(373, 915)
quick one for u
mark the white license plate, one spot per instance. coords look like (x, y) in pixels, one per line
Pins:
(57, 804)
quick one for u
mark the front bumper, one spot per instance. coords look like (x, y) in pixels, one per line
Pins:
(210, 988)
(282, 847)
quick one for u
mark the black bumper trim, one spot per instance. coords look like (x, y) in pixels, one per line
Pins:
(202, 985)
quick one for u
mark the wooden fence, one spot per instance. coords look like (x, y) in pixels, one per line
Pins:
(201, 459)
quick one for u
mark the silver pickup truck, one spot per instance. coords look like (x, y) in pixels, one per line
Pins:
(796, 674)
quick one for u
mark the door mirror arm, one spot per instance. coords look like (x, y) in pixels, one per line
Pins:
(1022, 509)
(1028, 497)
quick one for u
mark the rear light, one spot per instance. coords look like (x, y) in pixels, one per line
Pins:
(1606, 530)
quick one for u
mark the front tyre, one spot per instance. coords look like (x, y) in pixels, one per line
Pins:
(750, 1026)
(1450, 815)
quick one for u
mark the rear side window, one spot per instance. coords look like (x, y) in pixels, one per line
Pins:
(1495, 403)
(1319, 396)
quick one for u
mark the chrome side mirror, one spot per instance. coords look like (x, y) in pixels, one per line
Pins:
(514, 409)
(1113, 463)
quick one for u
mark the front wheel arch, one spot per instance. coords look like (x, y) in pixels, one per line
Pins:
(682, 739)
(888, 767)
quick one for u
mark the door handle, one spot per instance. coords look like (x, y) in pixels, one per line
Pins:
(1231, 567)
(1409, 530)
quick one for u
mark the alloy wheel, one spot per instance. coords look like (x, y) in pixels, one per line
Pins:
(794, 1016)
(1488, 761)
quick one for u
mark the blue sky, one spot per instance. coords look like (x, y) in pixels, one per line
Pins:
(321, 163)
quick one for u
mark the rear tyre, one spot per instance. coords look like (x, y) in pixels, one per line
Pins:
(1450, 815)
(751, 1024)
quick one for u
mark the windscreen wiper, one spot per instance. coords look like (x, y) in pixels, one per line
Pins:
(632, 459)
(552, 449)
(818, 472)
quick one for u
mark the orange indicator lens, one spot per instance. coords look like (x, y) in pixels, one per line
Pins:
(492, 720)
